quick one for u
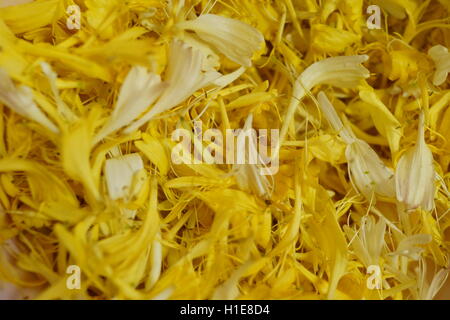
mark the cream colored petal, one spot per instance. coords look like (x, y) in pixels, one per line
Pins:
(436, 284)
(235, 39)
(62, 107)
(441, 58)
(20, 100)
(415, 174)
(248, 175)
(368, 172)
(331, 115)
(119, 175)
(184, 76)
(342, 72)
(139, 90)
(409, 246)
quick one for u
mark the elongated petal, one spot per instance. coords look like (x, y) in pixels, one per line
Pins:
(62, 107)
(331, 115)
(369, 241)
(385, 122)
(342, 72)
(248, 175)
(367, 171)
(75, 152)
(409, 246)
(235, 39)
(436, 284)
(415, 174)
(225, 80)
(184, 76)
(20, 100)
(139, 90)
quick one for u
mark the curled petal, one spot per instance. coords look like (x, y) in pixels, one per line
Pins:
(342, 72)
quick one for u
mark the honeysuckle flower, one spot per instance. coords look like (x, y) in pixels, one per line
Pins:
(342, 72)
(235, 39)
(367, 171)
(120, 175)
(184, 76)
(20, 100)
(139, 90)
(441, 58)
(415, 174)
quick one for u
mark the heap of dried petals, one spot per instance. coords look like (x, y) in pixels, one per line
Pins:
(96, 95)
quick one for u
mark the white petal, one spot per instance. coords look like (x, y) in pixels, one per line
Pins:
(20, 99)
(441, 58)
(184, 76)
(139, 90)
(235, 39)
(211, 60)
(415, 174)
(10, 3)
(409, 246)
(225, 80)
(62, 107)
(369, 241)
(9, 291)
(331, 115)
(248, 175)
(119, 174)
(342, 72)
(438, 281)
(367, 171)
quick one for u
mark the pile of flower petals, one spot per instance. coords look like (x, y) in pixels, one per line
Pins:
(91, 92)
